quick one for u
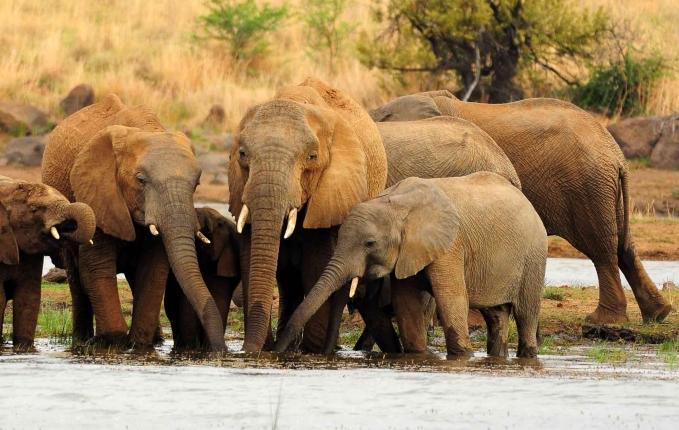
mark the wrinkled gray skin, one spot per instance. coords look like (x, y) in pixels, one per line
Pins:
(437, 147)
(473, 241)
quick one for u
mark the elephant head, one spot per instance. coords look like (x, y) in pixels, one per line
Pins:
(222, 249)
(402, 231)
(133, 177)
(413, 107)
(311, 151)
(37, 219)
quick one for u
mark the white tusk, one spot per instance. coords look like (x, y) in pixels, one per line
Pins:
(153, 229)
(91, 242)
(352, 290)
(202, 238)
(55, 233)
(292, 221)
(242, 218)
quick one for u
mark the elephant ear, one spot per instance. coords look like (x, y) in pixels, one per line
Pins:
(94, 181)
(343, 184)
(237, 177)
(9, 250)
(221, 232)
(430, 226)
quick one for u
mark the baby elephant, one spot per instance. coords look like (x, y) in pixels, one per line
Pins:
(218, 262)
(472, 241)
(35, 220)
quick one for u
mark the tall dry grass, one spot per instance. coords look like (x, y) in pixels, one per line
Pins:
(143, 50)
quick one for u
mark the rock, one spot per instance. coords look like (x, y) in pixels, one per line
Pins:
(215, 118)
(637, 136)
(56, 276)
(665, 154)
(80, 96)
(25, 151)
(20, 118)
(214, 162)
(670, 286)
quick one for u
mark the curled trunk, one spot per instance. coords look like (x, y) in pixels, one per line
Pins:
(83, 215)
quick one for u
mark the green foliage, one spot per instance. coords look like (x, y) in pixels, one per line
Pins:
(621, 87)
(553, 293)
(325, 28)
(484, 43)
(242, 24)
(669, 351)
(602, 353)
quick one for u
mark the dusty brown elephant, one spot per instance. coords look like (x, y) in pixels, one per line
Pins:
(472, 241)
(139, 179)
(220, 269)
(310, 155)
(35, 220)
(575, 175)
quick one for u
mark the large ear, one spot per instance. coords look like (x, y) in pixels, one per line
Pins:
(343, 184)
(93, 179)
(430, 226)
(237, 178)
(221, 232)
(9, 250)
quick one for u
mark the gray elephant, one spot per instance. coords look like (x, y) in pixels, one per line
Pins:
(473, 241)
(139, 179)
(35, 220)
(575, 176)
(219, 266)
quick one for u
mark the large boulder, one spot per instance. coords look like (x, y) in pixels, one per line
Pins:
(21, 118)
(56, 276)
(665, 154)
(80, 96)
(25, 151)
(637, 136)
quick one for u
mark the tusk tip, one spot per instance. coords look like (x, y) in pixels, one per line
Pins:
(154, 230)
(354, 285)
(54, 232)
(91, 242)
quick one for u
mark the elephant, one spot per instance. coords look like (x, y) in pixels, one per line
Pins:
(575, 175)
(219, 266)
(139, 179)
(35, 220)
(472, 241)
(310, 155)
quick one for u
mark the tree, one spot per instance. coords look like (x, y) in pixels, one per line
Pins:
(325, 28)
(243, 25)
(485, 43)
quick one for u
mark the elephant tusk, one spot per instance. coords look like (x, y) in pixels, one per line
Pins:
(55, 233)
(352, 290)
(202, 238)
(242, 218)
(91, 242)
(153, 229)
(292, 221)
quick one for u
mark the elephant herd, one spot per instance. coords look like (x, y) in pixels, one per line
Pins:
(426, 196)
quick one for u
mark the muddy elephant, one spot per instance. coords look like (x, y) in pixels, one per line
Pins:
(472, 241)
(308, 155)
(219, 266)
(575, 176)
(35, 220)
(139, 179)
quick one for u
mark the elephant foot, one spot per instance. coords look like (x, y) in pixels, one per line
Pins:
(23, 345)
(602, 316)
(115, 340)
(657, 314)
(525, 351)
(459, 354)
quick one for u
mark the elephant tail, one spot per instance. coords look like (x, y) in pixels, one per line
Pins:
(624, 229)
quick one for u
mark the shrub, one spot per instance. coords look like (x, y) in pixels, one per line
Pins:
(621, 87)
(243, 25)
(325, 28)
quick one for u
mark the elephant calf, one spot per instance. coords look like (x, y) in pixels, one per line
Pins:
(35, 220)
(473, 241)
(218, 262)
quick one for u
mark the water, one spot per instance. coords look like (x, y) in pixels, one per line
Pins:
(57, 390)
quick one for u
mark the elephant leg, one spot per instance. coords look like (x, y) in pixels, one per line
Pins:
(149, 286)
(378, 323)
(497, 324)
(3, 306)
(27, 302)
(653, 306)
(408, 306)
(365, 342)
(338, 301)
(171, 303)
(290, 295)
(222, 290)
(527, 320)
(612, 307)
(82, 313)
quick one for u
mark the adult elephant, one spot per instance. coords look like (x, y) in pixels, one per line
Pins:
(310, 155)
(139, 179)
(575, 175)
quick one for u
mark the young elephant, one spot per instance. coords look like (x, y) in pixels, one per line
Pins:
(35, 220)
(473, 241)
(218, 262)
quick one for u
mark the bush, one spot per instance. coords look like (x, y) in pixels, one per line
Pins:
(622, 87)
(325, 29)
(243, 25)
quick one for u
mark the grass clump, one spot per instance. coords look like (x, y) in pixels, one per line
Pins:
(553, 293)
(669, 352)
(603, 353)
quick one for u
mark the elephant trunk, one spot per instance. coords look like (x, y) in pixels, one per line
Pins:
(268, 208)
(334, 277)
(85, 220)
(177, 228)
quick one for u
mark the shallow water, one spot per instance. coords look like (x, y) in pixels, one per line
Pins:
(56, 389)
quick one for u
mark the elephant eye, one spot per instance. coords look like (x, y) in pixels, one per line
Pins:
(241, 154)
(312, 156)
(141, 178)
(369, 243)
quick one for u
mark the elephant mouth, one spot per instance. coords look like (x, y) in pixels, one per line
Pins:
(61, 230)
